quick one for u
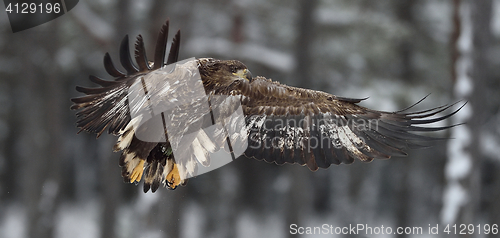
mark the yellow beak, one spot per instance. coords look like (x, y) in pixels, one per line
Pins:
(244, 74)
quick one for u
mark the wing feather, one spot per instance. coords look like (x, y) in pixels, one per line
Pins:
(161, 46)
(327, 129)
(102, 82)
(140, 54)
(173, 55)
(110, 67)
(126, 58)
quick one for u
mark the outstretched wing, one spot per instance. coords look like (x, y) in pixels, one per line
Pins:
(109, 107)
(294, 125)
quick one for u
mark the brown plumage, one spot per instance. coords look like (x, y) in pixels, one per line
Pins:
(282, 124)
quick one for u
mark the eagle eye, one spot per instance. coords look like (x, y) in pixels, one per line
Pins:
(233, 69)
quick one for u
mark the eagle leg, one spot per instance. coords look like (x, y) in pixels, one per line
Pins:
(137, 172)
(173, 178)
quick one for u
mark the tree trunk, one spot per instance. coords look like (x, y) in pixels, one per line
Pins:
(298, 196)
(111, 184)
(406, 73)
(304, 42)
(39, 145)
(462, 194)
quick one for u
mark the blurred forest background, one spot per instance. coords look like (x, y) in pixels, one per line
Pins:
(55, 183)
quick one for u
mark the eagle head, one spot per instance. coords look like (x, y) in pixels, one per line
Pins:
(217, 73)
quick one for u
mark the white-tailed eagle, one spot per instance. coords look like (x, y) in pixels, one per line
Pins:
(281, 124)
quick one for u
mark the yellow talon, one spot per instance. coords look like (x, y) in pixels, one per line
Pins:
(137, 172)
(173, 177)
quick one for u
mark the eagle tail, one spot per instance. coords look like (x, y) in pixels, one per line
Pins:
(161, 168)
(153, 175)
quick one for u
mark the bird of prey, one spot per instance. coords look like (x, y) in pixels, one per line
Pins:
(279, 123)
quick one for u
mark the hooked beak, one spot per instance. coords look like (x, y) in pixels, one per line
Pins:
(245, 74)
